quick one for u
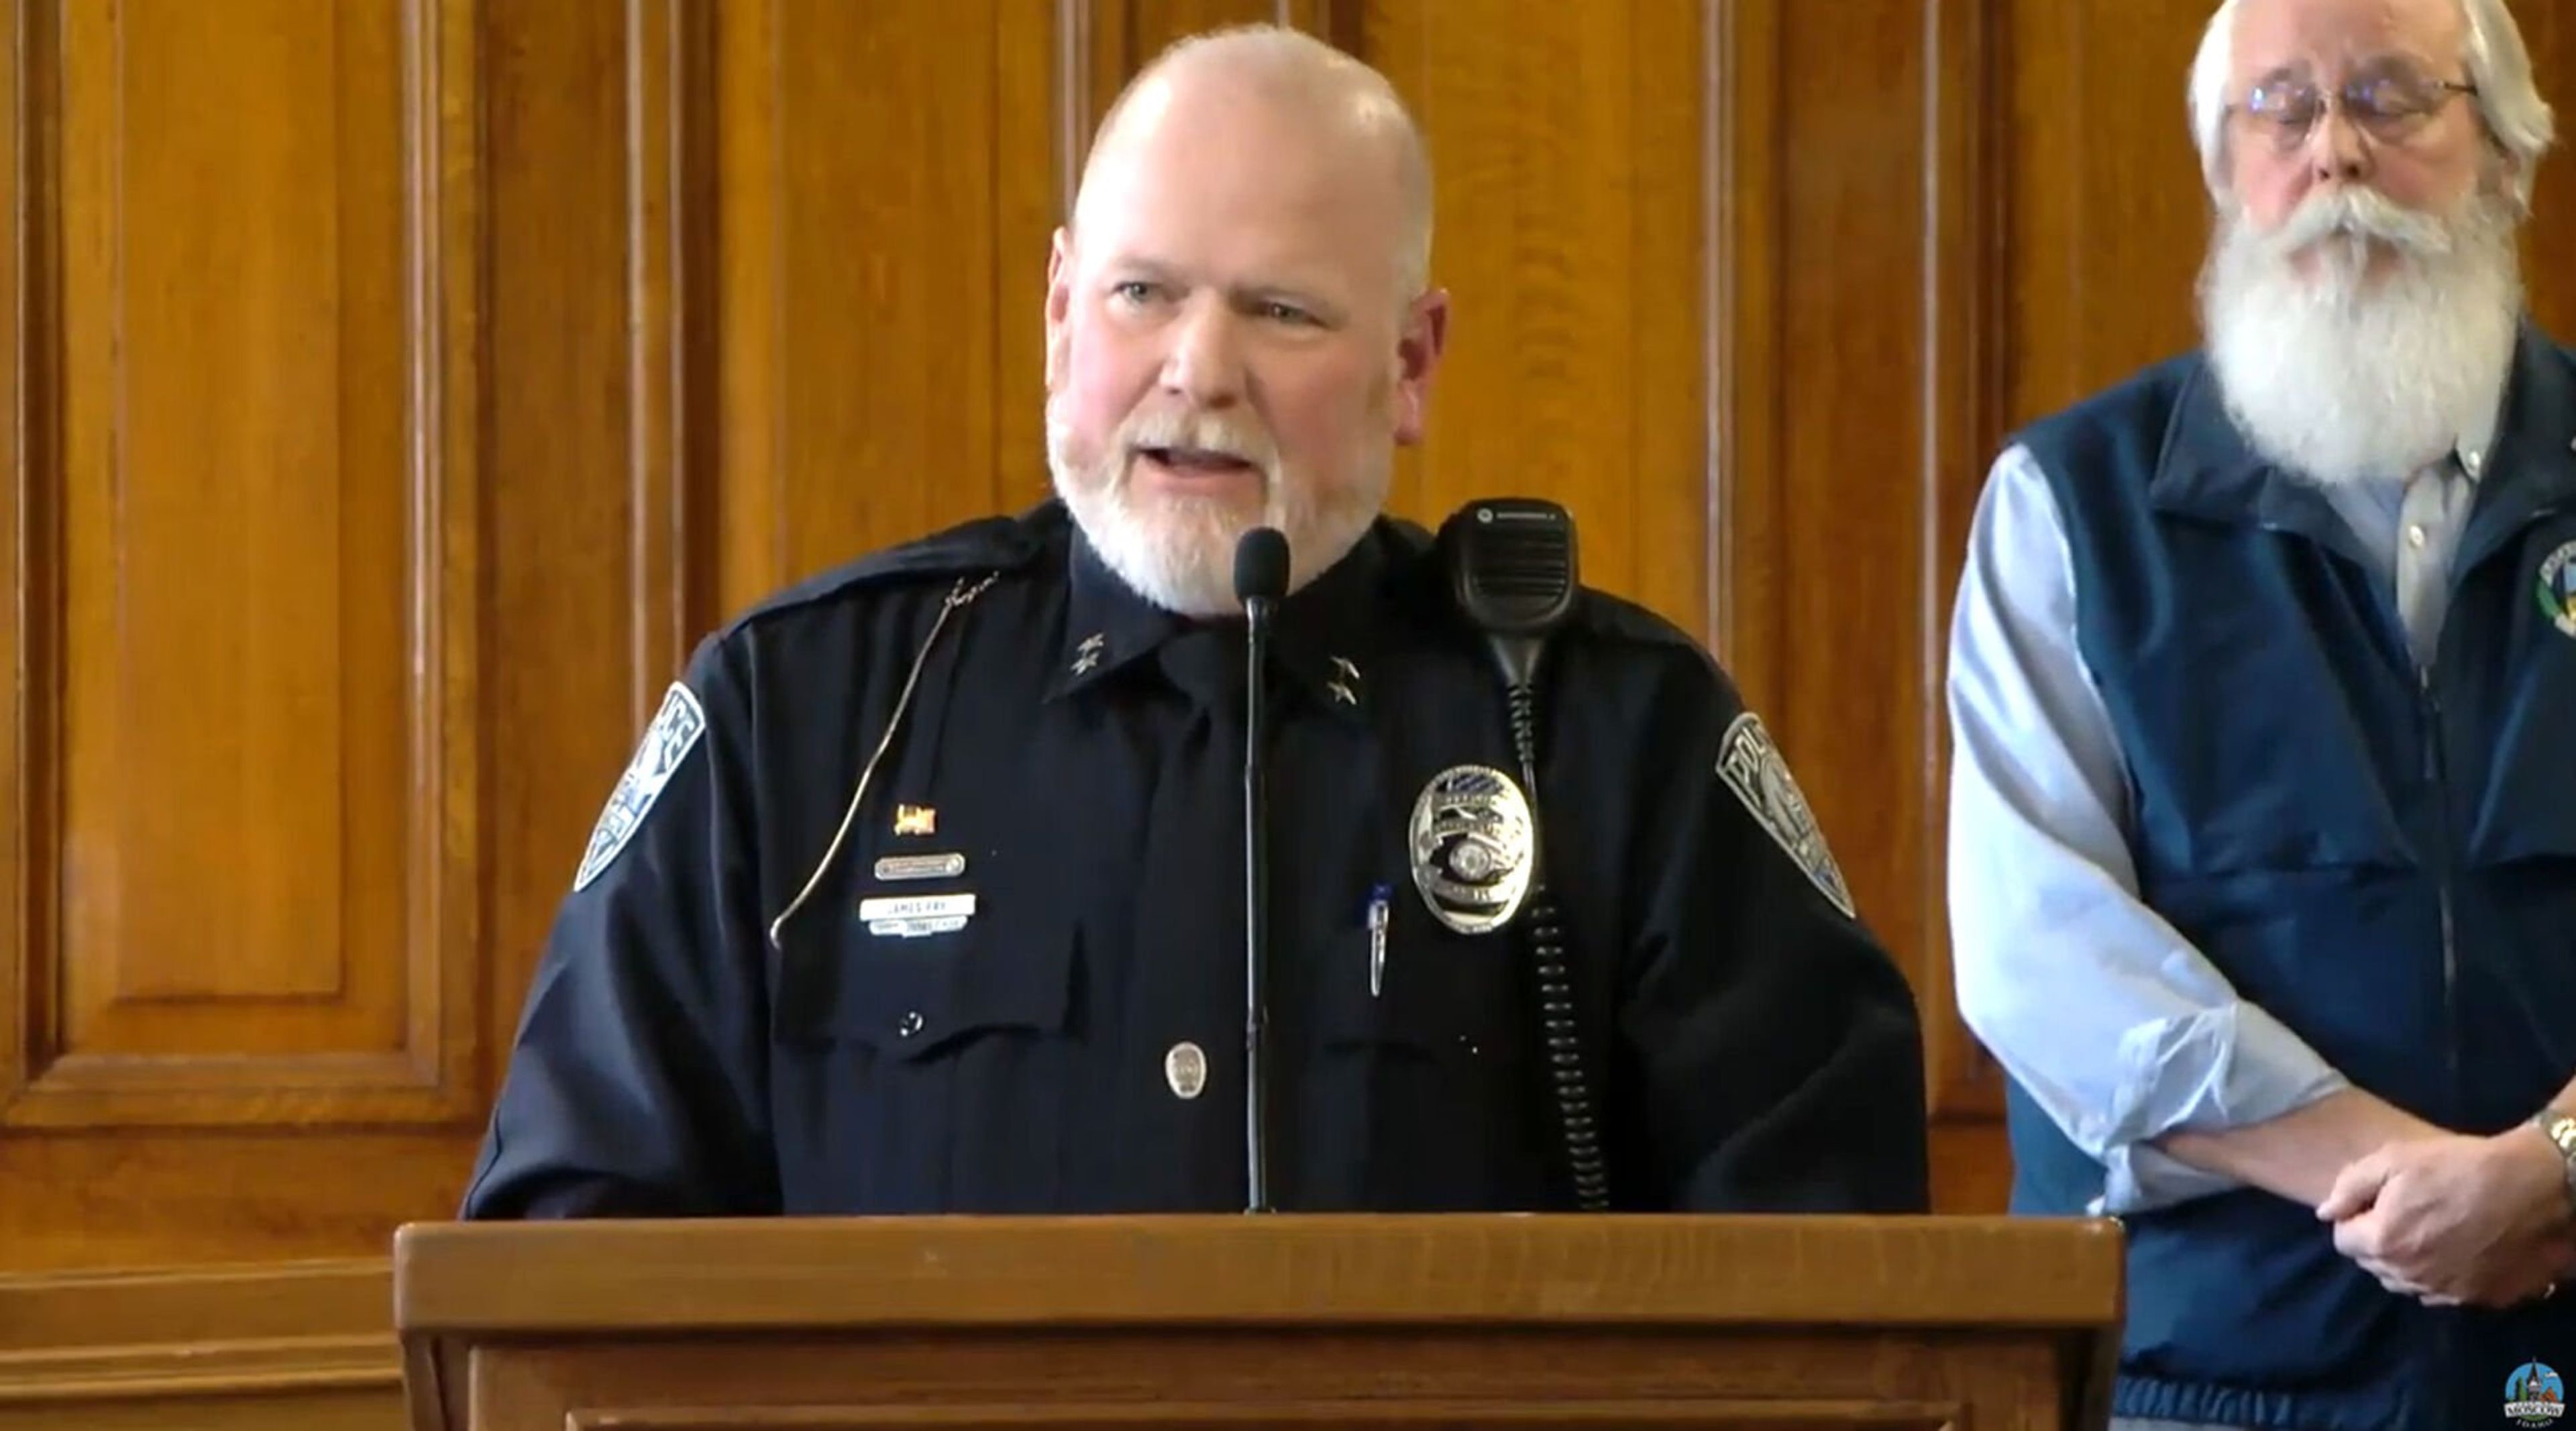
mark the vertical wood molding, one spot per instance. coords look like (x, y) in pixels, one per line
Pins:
(1743, 203)
(656, 431)
(672, 456)
(1966, 299)
(447, 218)
(1858, 380)
(1075, 100)
(30, 374)
(749, 307)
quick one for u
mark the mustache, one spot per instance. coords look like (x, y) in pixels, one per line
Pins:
(1202, 432)
(2356, 214)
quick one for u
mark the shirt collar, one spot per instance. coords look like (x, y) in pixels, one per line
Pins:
(1322, 637)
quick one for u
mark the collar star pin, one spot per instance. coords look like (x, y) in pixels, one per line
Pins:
(1343, 667)
(1088, 652)
(1342, 693)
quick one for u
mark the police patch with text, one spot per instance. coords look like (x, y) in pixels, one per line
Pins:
(1750, 764)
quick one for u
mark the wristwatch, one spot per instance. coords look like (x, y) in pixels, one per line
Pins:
(2560, 1128)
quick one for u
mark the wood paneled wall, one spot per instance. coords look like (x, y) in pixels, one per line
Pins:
(398, 389)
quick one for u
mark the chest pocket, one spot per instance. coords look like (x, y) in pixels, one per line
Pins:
(1435, 1066)
(2525, 735)
(1440, 995)
(925, 1074)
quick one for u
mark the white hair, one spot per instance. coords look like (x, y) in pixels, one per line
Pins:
(2517, 119)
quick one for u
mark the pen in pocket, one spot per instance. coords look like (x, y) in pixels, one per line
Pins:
(1377, 915)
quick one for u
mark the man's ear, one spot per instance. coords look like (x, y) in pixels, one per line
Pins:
(1059, 302)
(1420, 340)
(2510, 183)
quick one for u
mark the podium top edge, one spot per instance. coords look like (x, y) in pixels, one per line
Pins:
(822, 1274)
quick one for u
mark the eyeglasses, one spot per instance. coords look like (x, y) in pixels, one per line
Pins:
(2388, 105)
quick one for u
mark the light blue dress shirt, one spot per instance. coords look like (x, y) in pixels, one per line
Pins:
(2117, 1027)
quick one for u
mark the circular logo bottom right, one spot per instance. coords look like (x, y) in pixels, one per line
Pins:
(2534, 1396)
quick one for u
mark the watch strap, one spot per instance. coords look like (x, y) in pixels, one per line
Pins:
(2559, 1127)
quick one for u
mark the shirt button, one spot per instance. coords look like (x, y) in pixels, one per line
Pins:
(2415, 535)
(908, 1025)
(1185, 1069)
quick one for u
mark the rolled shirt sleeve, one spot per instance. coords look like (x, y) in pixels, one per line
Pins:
(2119, 1030)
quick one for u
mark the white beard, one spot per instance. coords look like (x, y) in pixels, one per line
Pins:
(1178, 552)
(2336, 382)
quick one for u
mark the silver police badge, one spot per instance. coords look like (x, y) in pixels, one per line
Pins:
(1752, 767)
(1471, 840)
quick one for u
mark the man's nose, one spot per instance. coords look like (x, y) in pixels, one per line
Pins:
(2336, 151)
(1205, 362)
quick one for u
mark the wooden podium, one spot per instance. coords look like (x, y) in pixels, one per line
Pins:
(1087, 1324)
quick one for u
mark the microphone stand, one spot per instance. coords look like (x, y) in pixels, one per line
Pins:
(1260, 583)
(1256, 906)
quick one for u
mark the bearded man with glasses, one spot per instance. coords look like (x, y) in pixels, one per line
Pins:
(2263, 810)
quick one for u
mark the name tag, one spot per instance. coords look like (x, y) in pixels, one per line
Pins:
(912, 916)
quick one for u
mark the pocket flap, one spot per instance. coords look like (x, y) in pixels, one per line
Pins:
(910, 997)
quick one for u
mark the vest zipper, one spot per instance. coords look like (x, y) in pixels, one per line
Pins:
(2437, 770)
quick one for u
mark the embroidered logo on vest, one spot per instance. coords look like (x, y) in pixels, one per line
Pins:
(2558, 588)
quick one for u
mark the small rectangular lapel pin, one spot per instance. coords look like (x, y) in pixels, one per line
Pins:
(892, 868)
(915, 820)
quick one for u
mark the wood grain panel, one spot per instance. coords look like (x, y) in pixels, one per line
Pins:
(882, 295)
(1355, 1414)
(1567, 148)
(1763, 1322)
(251, 569)
(141, 1198)
(1311, 1271)
(538, 192)
(2109, 217)
(2550, 29)
(299, 1347)
(320, 1408)
(1858, 385)
(1827, 1382)
(1966, 280)
(601, 322)
(1847, 696)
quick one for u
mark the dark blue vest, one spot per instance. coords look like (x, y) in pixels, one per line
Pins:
(2383, 860)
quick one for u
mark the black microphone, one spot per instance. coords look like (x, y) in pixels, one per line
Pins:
(1260, 582)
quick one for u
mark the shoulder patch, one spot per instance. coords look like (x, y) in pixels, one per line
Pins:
(1751, 765)
(667, 741)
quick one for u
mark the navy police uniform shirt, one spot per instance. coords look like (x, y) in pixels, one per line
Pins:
(1005, 972)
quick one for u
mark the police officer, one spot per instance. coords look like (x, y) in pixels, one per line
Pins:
(925, 889)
